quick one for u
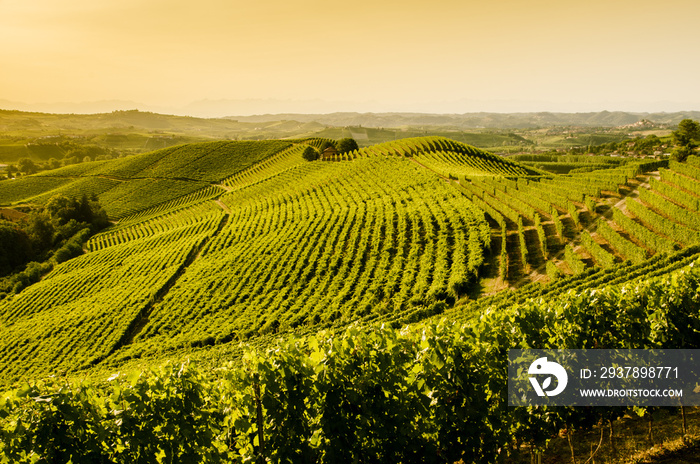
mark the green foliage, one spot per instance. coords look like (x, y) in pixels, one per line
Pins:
(27, 187)
(127, 185)
(27, 166)
(687, 169)
(542, 235)
(681, 153)
(687, 133)
(73, 247)
(310, 153)
(32, 273)
(431, 393)
(677, 195)
(650, 239)
(137, 195)
(53, 163)
(62, 209)
(481, 190)
(602, 257)
(523, 245)
(573, 212)
(509, 196)
(448, 157)
(347, 145)
(297, 247)
(685, 138)
(670, 209)
(679, 180)
(400, 249)
(558, 225)
(162, 416)
(52, 235)
(662, 225)
(503, 259)
(95, 294)
(496, 216)
(574, 260)
(553, 271)
(626, 248)
(368, 396)
(590, 204)
(325, 144)
(15, 247)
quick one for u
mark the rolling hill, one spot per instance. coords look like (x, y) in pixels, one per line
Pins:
(221, 246)
(221, 242)
(246, 239)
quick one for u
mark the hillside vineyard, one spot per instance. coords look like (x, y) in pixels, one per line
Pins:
(334, 304)
(218, 243)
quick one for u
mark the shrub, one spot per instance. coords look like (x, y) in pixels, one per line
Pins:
(310, 153)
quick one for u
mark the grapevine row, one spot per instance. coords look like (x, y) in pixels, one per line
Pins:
(626, 248)
(681, 215)
(602, 257)
(662, 225)
(650, 239)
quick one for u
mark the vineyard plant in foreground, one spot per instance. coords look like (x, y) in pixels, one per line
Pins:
(370, 395)
(340, 307)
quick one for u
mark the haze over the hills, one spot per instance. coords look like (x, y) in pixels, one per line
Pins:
(294, 109)
(238, 58)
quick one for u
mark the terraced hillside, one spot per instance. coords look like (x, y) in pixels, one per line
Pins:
(223, 242)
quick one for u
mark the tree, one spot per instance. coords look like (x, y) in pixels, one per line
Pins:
(682, 152)
(40, 230)
(61, 209)
(347, 145)
(27, 166)
(15, 247)
(685, 139)
(68, 160)
(310, 153)
(53, 163)
(688, 131)
(325, 144)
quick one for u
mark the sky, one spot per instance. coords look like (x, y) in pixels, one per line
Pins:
(439, 56)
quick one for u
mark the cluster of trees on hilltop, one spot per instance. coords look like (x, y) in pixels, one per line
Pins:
(345, 145)
(48, 235)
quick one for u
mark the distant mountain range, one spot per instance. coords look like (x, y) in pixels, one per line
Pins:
(480, 120)
(268, 110)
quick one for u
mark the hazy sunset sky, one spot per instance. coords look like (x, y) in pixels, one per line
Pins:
(437, 56)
